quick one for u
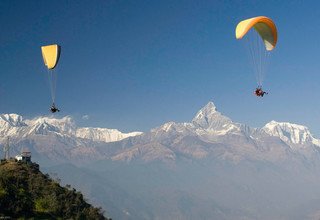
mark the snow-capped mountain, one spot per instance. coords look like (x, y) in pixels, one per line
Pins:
(14, 125)
(290, 133)
(211, 134)
(208, 121)
(208, 134)
(56, 139)
(209, 118)
(103, 134)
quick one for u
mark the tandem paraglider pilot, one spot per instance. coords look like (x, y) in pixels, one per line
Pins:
(259, 92)
(54, 109)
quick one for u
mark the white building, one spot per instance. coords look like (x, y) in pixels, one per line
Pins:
(24, 157)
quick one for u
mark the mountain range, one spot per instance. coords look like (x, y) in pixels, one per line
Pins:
(207, 168)
(209, 134)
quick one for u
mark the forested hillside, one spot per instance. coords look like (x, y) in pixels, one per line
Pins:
(25, 192)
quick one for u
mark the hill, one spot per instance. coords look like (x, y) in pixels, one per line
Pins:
(25, 192)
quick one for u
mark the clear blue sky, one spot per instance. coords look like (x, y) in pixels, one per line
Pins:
(133, 65)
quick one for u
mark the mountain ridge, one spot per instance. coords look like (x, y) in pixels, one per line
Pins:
(208, 134)
(13, 124)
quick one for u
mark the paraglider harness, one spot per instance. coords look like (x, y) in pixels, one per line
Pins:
(259, 92)
(53, 108)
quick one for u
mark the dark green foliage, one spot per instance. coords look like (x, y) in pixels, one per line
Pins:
(27, 193)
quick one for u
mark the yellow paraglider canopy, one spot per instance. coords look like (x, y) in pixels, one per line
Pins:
(51, 54)
(264, 26)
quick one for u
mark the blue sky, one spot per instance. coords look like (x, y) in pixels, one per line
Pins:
(133, 65)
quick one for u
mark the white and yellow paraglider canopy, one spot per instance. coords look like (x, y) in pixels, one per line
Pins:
(265, 27)
(51, 54)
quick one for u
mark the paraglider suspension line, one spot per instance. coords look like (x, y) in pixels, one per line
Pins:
(52, 77)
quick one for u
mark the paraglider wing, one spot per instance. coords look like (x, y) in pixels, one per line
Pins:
(51, 55)
(264, 26)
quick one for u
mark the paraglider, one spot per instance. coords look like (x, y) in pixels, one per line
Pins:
(259, 92)
(51, 55)
(261, 36)
(54, 109)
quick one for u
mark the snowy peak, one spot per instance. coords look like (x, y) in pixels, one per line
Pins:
(209, 118)
(165, 127)
(43, 129)
(208, 121)
(13, 120)
(66, 121)
(43, 125)
(103, 134)
(289, 133)
(208, 109)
